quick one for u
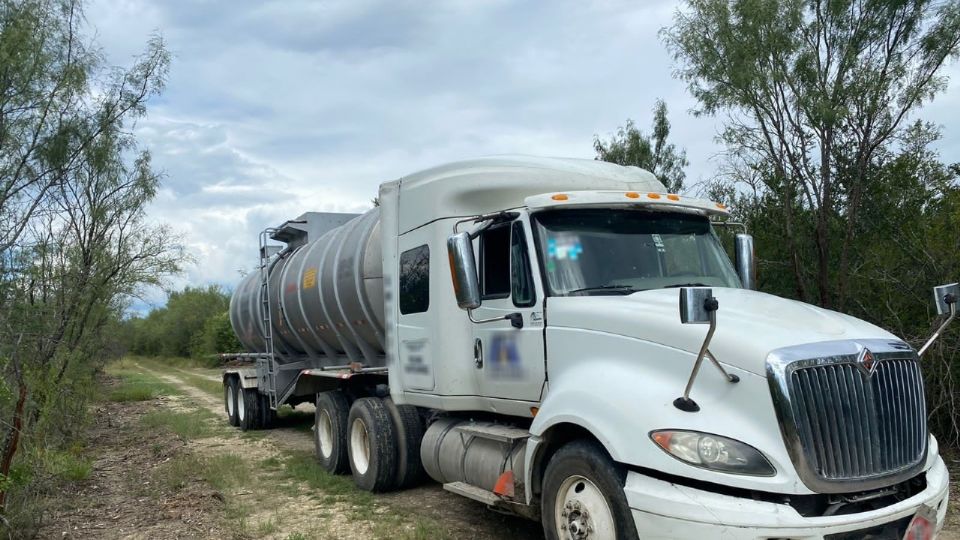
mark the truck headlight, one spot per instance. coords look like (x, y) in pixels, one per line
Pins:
(713, 452)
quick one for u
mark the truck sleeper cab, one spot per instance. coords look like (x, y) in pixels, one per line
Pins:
(521, 342)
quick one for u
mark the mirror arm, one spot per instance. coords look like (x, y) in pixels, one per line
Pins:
(516, 319)
(684, 403)
(933, 338)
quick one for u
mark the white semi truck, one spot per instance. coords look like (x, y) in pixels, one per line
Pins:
(564, 340)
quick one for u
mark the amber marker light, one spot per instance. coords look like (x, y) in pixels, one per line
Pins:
(662, 438)
(653, 195)
(721, 206)
(673, 197)
(632, 195)
(560, 197)
(534, 411)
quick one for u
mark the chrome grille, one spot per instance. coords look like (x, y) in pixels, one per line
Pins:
(848, 430)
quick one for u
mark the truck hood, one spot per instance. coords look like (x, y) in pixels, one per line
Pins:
(750, 324)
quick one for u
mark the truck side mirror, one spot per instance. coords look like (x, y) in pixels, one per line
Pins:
(746, 261)
(463, 270)
(698, 306)
(945, 298)
(693, 305)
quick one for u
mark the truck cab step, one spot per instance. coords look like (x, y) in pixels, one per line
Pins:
(504, 434)
(472, 492)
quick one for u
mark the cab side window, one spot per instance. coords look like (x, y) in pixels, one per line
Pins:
(495, 262)
(505, 265)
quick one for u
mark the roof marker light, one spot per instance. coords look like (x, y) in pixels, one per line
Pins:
(632, 195)
(673, 197)
(653, 195)
(560, 197)
(721, 206)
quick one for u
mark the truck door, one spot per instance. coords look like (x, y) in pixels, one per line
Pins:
(509, 361)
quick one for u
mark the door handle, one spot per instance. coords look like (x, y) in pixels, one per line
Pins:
(478, 353)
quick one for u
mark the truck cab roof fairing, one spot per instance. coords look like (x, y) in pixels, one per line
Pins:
(479, 186)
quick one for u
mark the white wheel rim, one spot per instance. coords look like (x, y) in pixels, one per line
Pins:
(241, 409)
(359, 447)
(581, 511)
(228, 395)
(325, 433)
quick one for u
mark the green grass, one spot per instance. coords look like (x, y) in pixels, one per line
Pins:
(186, 425)
(222, 472)
(136, 384)
(67, 465)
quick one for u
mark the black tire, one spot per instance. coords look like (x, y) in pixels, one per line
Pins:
(268, 416)
(251, 409)
(409, 426)
(332, 407)
(231, 398)
(586, 459)
(370, 430)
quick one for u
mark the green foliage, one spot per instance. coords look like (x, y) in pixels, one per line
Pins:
(850, 207)
(194, 323)
(74, 241)
(630, 146)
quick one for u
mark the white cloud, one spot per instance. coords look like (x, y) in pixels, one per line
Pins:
(275, 108)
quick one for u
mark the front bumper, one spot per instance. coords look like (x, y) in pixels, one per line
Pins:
(667, 511)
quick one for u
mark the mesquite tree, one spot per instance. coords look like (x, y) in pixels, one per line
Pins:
(630, 146)
(74, 243)
(815, 90)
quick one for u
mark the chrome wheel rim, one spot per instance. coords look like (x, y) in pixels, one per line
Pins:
(241, 409)
(228, 395)
(359, 447)
(325, 433)
(581, 511)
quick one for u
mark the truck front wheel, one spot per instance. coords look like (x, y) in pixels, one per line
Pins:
(583, 495)
(330, 431)
(373, 445)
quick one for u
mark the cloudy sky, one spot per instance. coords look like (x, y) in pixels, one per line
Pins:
(276, 108)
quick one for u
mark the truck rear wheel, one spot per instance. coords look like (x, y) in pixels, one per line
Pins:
(248, 410)
(583, 495)
(330, 431)
(230, 399)
(409, 425)
(372, 445)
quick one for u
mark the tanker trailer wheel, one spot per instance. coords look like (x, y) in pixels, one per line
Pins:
(267, 416)
(330, 431)
(410, 428)
(583, 495)
(248, 410)
(230, 397)
(373, 445)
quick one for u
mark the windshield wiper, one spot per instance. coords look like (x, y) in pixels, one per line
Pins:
(686, 285)
(622, 289)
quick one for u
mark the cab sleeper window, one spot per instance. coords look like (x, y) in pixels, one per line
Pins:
(415, 280)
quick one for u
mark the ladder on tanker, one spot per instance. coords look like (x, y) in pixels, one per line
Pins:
(267, 318)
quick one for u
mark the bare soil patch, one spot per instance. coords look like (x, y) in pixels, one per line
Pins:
(119, 499)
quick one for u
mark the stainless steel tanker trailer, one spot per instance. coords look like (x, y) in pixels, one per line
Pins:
(566, 341)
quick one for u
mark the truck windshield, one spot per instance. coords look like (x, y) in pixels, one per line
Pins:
(604, 251)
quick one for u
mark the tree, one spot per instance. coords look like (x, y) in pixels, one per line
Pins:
(630, 146)
(816, 90)
(74, 242)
